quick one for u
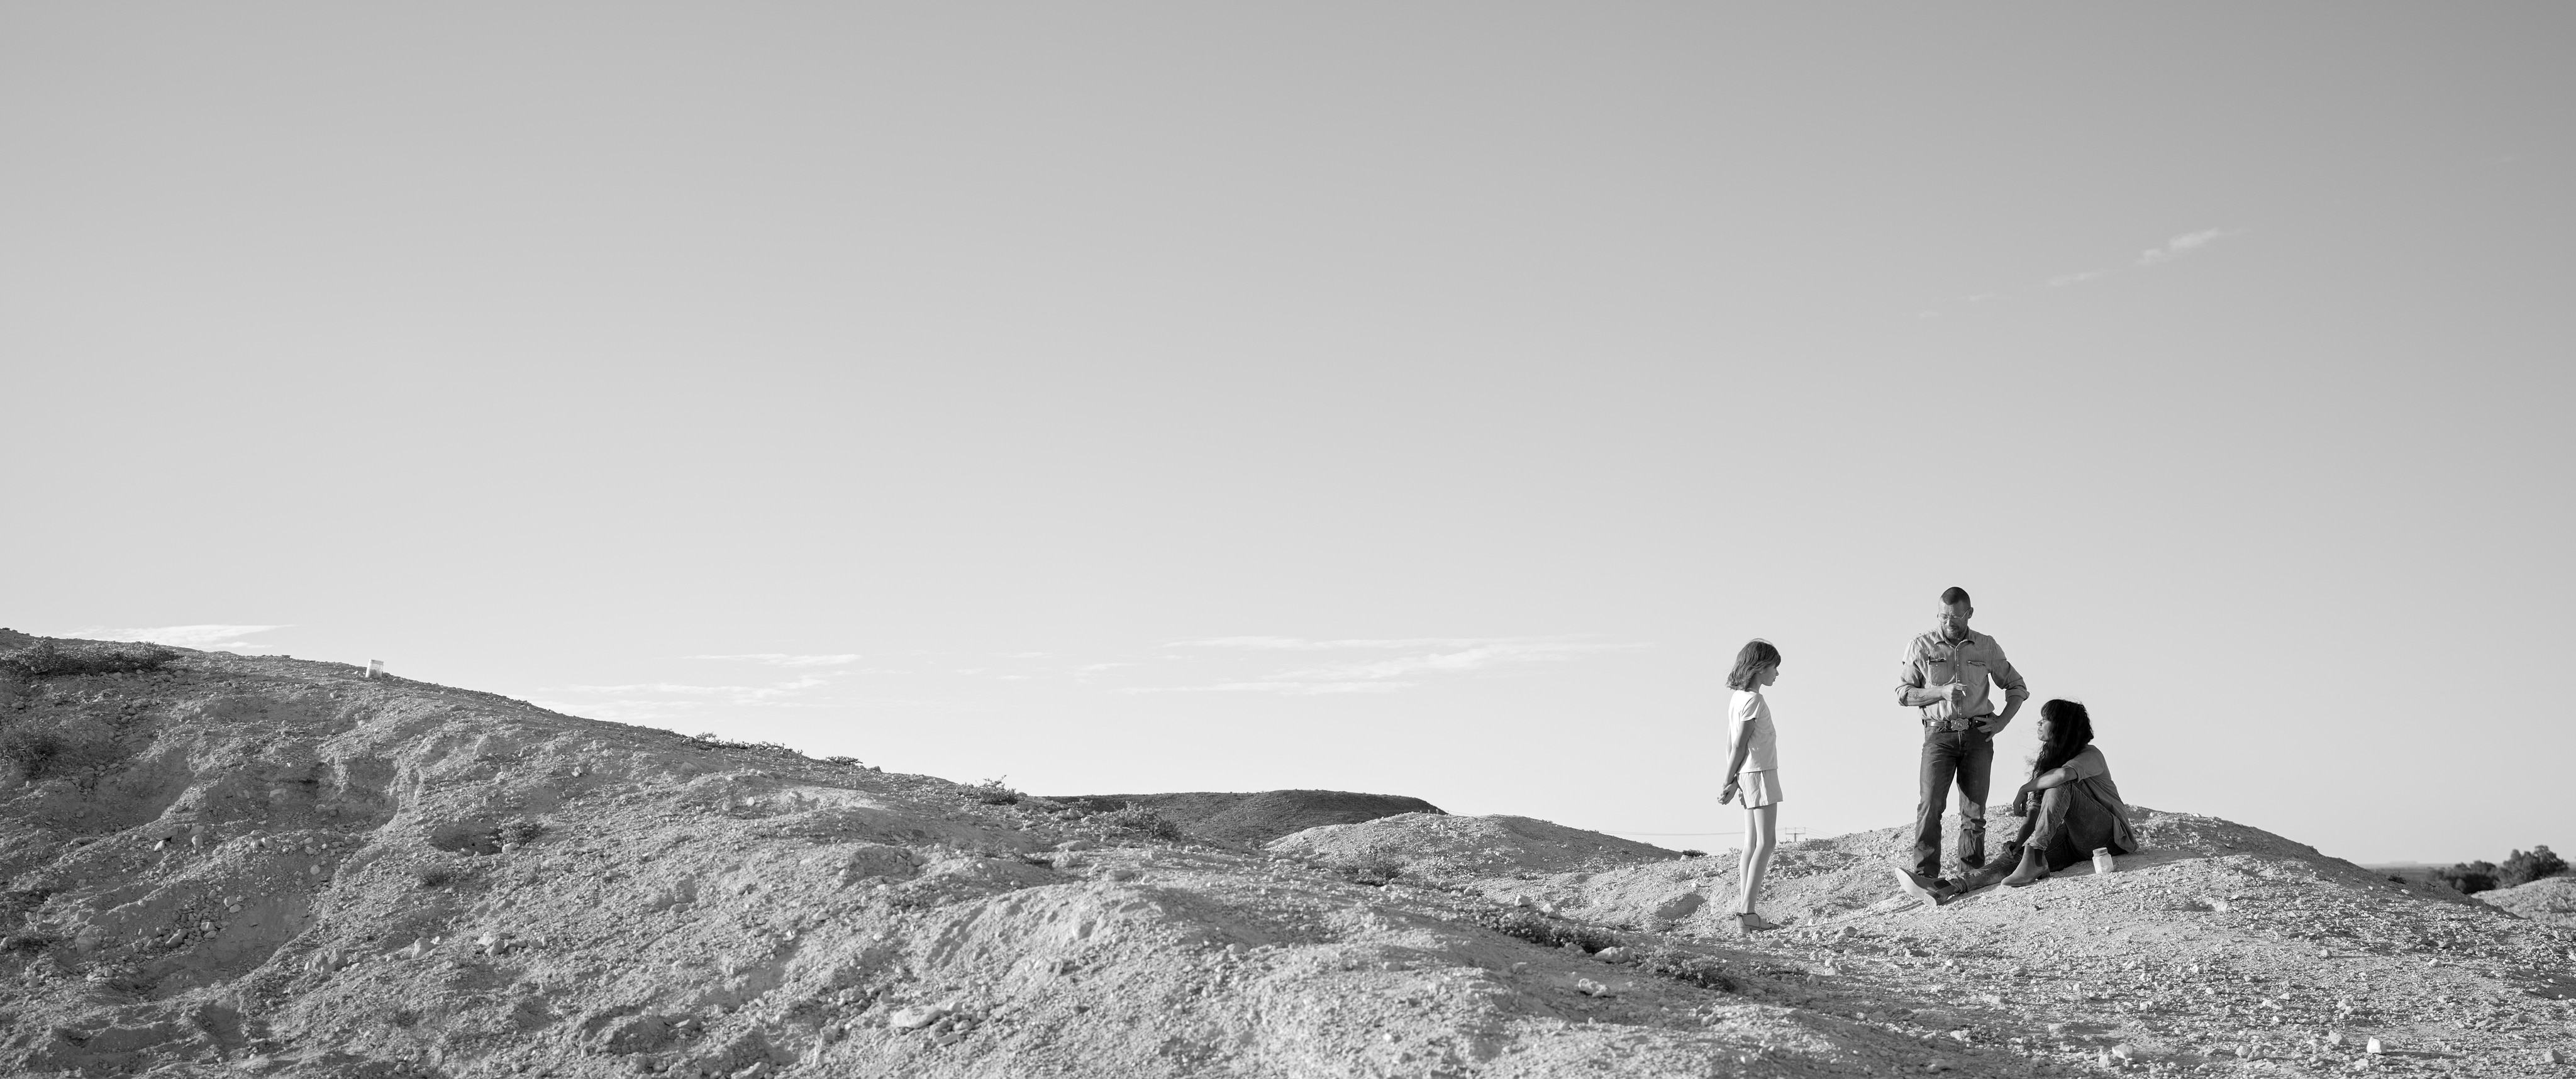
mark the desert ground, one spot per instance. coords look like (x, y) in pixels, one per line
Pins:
(262, 866)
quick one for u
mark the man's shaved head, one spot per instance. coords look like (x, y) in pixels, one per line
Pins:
(1954, 595)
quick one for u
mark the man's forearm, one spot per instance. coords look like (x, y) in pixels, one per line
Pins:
(1917, 696)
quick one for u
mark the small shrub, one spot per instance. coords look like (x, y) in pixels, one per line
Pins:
(77, 748)
(48, 658)
(993, 792)
(852, 762)
(1694, 854)
(2524, 868)
(16, 905)
(1546, 932)
(1142, 819)
(433, 876)
(30, 940)
(1704, 971)
(1377, 872)
(519, 830)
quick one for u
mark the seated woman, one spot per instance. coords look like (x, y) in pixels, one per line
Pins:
(2078, 809)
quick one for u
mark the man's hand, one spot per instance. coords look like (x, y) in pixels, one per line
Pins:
(1954, 692)
(1991, 725)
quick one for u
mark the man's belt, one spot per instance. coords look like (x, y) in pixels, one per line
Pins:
(1957, 723)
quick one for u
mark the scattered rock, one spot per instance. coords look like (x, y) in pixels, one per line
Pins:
(1590, 988)
(916, 1017)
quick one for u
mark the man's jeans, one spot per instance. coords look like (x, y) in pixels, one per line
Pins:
(1969, 757)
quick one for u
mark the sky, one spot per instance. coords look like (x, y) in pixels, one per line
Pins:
(1422, 399)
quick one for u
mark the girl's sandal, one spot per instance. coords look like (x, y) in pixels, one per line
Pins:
(1753, 923)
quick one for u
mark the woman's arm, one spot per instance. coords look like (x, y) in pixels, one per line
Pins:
(2054, 777)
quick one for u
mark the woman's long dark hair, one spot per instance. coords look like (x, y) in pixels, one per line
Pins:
(1755, 655)
(2074, 729)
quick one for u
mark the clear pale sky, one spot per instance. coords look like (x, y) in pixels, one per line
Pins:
(1422, 399)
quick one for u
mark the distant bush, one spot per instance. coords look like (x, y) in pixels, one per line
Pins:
(49, 658)
(842, 760)
(993, 792)
(2524, 868)
(2469, 878)
(433, 876)
(518, 830)
(1546, 932)
(1142, 819)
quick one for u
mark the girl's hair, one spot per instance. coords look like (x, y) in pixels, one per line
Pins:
(2074, 729)
(1755, 655)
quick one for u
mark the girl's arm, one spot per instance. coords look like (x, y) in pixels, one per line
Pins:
(1735, 767)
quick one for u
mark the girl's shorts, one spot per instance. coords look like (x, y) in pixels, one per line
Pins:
(1759, 788)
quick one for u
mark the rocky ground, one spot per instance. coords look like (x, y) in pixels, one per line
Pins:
(264, 866)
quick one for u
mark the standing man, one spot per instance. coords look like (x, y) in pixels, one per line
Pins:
(1944, 675)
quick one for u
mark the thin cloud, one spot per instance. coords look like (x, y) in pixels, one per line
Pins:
(209, 637)
(2181, 245)
(782, 659)
(1425, 656)
(1303, 643)
(1291, 688)
(2077, 278)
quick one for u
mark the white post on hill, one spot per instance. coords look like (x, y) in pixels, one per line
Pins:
(374, 667)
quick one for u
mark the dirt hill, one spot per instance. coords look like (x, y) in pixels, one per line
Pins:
(263, 866)
(1255, 819)
(2550, 899)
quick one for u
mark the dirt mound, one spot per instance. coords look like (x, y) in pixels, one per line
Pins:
(1426, 845)
(2549, 899)
(269, 867)
(1255, 819)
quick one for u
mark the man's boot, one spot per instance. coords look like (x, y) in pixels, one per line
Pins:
(2032, 870)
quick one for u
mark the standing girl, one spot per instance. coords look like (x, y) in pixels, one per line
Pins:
(1753, 770)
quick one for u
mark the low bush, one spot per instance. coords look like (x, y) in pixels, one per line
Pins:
(1375, 872)
(16, 905)
(49, 658)
(29, 940)
(433, 875)
(993, 792)
(518, 830)
(1142, 820)
(852, 762)
(1546, 932)
(79, 748)
(1704, 971)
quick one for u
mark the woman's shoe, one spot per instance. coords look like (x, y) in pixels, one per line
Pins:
(1753, 923)
(2032, 870)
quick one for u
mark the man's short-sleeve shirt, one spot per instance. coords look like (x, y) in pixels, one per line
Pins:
(1973, 660)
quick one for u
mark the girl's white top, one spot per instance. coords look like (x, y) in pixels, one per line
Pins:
(1750, 717)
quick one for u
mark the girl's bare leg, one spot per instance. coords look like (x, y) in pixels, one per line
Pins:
(1761, 830)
